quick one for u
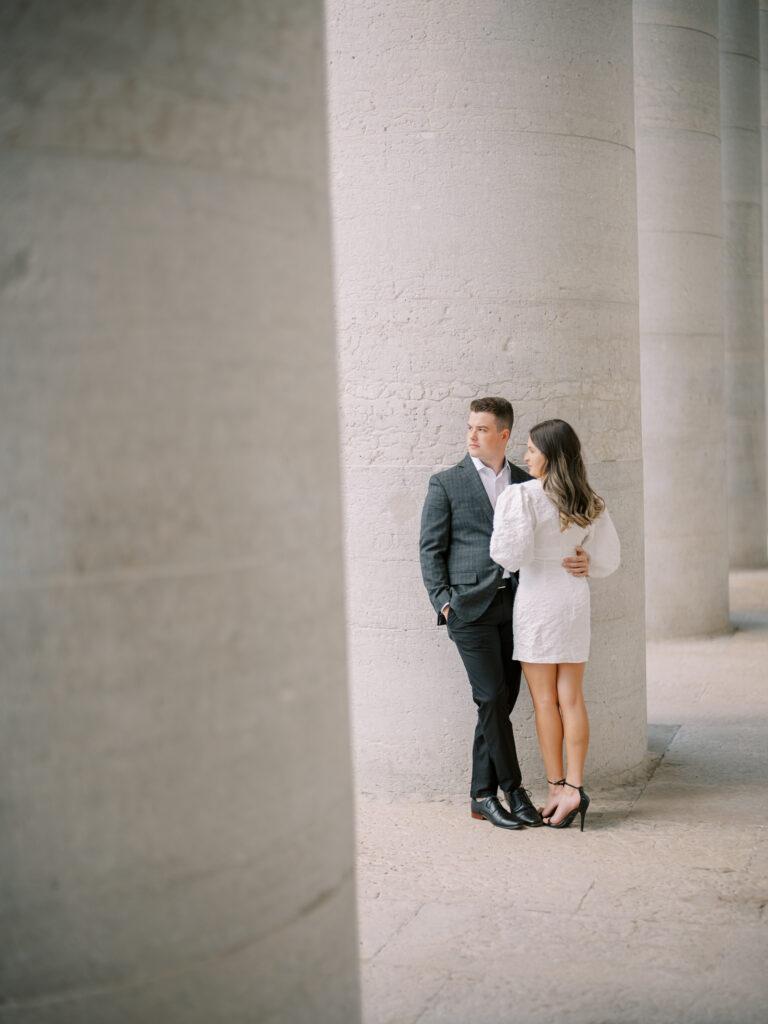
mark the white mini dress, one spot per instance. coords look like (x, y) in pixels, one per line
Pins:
(551, 617)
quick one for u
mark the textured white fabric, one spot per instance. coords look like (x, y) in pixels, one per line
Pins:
(551, 612)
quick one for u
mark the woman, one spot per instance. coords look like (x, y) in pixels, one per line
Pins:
(536, 525)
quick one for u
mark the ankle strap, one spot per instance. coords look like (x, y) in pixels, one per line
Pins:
(572, 785)
(557, 782)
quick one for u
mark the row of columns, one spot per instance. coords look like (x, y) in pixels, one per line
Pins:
(743, 329)
(175, 761)
(697, 96)
(488, 221)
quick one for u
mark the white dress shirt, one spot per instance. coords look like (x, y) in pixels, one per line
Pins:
(494, 484)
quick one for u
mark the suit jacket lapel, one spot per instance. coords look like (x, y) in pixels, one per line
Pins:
(476, 485)
(518, 476)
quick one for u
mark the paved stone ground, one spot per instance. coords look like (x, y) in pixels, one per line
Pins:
(656, 913)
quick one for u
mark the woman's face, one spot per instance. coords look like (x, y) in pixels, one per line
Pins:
(534, 460)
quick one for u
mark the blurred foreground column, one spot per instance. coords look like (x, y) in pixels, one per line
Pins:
(764, 148)
(484, 195)
(177, 840)
(743, 280)
(677, 107)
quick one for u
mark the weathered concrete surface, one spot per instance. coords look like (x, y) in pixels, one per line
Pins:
(743, 280)
(173, 733)
(483, 174)
(677, 126)
(655, 914)
(764, 150)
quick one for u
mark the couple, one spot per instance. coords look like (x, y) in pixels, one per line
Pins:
(483, 520)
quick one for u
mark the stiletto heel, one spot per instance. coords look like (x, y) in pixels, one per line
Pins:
(581, 809)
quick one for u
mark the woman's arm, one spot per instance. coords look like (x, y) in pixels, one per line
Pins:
(514, 523)
(603, 547)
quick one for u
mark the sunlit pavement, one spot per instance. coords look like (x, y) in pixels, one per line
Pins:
(657, 912)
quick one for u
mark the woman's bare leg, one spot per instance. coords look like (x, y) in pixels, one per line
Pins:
(542, 682)
(573, 711)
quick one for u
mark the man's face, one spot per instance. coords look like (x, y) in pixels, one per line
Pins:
(485, 441)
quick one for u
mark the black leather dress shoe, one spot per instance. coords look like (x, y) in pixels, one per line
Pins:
(521, 809)
(489, 809)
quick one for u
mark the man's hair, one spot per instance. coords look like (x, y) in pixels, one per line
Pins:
(500, 408)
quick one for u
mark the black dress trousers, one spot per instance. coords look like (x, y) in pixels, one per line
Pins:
(485, 646)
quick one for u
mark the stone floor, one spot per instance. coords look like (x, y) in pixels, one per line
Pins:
(656, 913)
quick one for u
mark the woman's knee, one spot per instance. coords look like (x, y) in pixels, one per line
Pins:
(545, 700)
(571, 699)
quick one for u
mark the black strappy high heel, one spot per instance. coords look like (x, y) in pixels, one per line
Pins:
(581, 809)
(557, 782)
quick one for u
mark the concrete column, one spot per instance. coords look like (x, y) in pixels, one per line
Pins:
(483, 175)
(677, 116)
(764, 147)
(176, 822)
(743, 280)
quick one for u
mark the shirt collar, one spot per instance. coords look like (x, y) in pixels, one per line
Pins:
(482, 468)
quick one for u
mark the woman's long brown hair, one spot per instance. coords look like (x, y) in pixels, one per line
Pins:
(566, 477)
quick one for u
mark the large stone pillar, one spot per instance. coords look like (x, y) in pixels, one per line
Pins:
(764, 168)
(483, 174)
(743, 280)
(177, 840)
(677, 108)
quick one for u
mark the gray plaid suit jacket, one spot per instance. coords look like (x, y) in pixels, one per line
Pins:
(456, 527)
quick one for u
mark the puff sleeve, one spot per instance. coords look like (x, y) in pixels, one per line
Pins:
(514, 522)
(603, 546)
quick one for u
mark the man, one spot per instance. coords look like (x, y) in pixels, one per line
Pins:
(474, 596)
